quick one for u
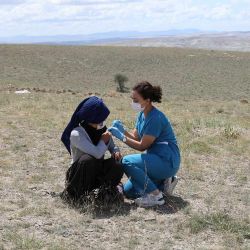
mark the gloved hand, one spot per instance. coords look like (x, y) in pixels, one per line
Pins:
(116, 133)
(118, 124)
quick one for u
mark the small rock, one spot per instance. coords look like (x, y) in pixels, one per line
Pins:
(25, 91)
(66, 234)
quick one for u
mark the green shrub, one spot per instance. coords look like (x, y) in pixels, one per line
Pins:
(120, 79)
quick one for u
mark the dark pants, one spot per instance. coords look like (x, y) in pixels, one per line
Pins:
(89, 173)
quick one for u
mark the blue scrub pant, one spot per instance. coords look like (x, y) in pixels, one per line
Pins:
(146, 173)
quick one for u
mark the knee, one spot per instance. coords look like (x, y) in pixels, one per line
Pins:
(127, 164)
(126, 160)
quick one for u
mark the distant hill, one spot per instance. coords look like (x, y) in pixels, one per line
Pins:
(232, 41)
(94, 38)
(188, 38)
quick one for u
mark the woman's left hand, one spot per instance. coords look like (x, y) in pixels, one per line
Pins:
(116, 133)
(117, 156)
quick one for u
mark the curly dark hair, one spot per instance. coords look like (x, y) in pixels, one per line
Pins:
(148, 91)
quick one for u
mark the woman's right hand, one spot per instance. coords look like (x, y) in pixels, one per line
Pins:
(117, 156)
(118, 124)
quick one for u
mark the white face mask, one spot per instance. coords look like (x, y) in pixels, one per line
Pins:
(137, 106)
(100, 125)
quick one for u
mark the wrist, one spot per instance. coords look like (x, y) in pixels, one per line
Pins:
(124, 139)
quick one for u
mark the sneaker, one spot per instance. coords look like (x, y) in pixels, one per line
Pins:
(150, 200)
(169, 185)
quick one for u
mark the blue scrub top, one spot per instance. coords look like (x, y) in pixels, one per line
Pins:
(157, 124)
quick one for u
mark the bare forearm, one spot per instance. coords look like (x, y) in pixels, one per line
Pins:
(137, 145)
(130, 135)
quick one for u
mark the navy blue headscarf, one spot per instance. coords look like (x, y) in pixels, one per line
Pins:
(90, 110)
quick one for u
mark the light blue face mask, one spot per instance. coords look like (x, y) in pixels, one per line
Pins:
(137, 106)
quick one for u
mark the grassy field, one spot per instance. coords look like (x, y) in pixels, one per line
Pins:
(206, 97)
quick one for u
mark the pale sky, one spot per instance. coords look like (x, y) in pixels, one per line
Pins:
(54, 17)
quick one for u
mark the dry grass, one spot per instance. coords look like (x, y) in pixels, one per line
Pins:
(210, 208)
(184, 73)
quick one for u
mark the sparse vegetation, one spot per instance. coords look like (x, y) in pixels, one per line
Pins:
(231, 133)
(210, 209)
(24, 242)
(121, 79)
(221, 222)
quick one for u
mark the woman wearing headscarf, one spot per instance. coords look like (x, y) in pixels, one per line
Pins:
(87, 139)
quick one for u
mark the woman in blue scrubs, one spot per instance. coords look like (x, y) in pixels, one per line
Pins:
(154, 134)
